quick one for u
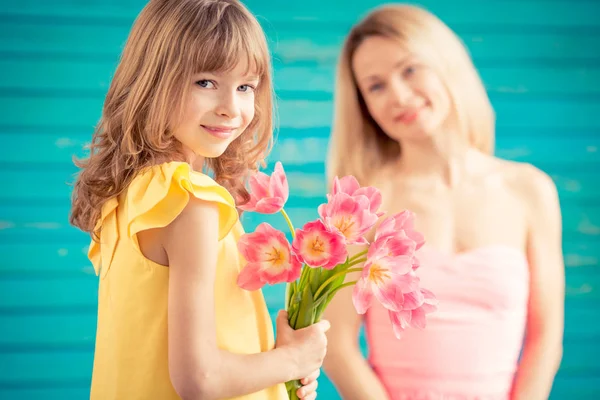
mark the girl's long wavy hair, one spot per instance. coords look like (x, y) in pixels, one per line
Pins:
(172, 40)
(358, 145)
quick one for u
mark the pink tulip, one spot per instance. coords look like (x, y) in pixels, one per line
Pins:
(395, 245)
(350, 186)
(415, 309)
(269, 258)
(386, 278)
(403, 221)
(268, 194)
(349, 215)
(416, 263)
(318, 247)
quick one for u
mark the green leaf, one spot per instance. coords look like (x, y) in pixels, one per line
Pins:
(315, 279)
(293, 316)
(305, 312)
(337, 281)
(320, 309)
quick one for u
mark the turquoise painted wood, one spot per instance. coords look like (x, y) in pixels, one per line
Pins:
(540, 61)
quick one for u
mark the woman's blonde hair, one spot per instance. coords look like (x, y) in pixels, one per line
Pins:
(358, 145)
(172, 40)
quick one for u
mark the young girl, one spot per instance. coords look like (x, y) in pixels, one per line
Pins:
(192, 90)
(413, 118)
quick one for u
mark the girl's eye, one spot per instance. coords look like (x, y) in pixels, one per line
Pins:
(246, 88)
(205, 83)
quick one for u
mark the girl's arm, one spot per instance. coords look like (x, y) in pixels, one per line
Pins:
(198, 368)
(542, 351)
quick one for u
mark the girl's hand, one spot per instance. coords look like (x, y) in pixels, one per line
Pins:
(309, 390)
(306, 347)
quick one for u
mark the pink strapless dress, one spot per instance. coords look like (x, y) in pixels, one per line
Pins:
(471, 345)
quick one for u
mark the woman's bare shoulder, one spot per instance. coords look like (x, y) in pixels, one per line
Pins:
(529, 182)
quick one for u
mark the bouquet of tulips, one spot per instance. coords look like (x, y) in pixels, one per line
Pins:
(317, 261)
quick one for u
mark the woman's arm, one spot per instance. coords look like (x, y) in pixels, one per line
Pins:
(198, 368)
(542, 350)
(344, 363)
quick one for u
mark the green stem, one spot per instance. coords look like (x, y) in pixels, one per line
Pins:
(341, 287)
(330, 296)
(333, 277)
(304, 276)
(360, 260)
(288, 288)
(288, 293)
(289, 222)
(357, 255)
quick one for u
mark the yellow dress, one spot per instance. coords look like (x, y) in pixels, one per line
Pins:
(130, 360)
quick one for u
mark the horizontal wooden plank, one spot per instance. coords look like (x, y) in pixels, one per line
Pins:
(498, 79)
(55, 186)
(61, 292)
(579, 356)
(80, 391)
(578, 221)
(30, 293)
(46, 369)
(90, 78)
(20, 221)
(294, 147)
(38, 260)
(538, 113)
(486, 48)
(556, 13)
(56, 366)
(581, 320)
(322, 46)
(46, 331)
(586, 386)
(55, 260)
(41, 330)
(531, 12)
(49, 222)
(583, 283)
(570, 380)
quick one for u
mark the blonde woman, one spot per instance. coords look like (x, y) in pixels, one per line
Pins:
(413, 118)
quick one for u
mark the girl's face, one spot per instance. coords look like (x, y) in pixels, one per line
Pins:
(218, 110)
(405, 97)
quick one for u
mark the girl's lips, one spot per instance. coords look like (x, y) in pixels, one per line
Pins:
(221, 132)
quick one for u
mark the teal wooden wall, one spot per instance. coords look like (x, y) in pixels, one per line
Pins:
(540, 60)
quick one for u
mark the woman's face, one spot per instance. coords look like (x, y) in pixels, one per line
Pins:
(404, 96)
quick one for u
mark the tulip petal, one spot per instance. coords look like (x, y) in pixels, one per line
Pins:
(389, 295)
(400, 321)
(268, 194)
(347, 184)
(374, 196)
(269, 205)
(361, 296)
(259, 185)
(278, 184)
(407, 282)
(249, 278)
(413, 300)
(418, 319)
